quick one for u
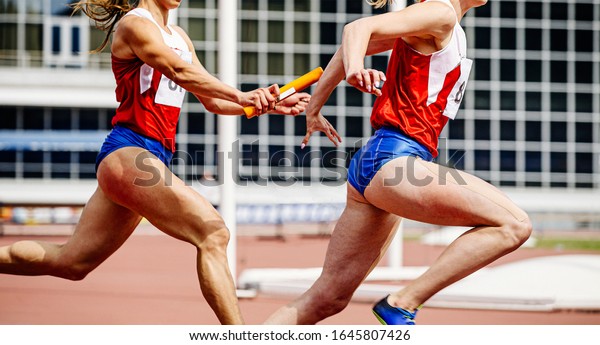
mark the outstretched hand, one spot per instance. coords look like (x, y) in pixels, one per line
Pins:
(292, 105)
(319, 123)
(367, 80)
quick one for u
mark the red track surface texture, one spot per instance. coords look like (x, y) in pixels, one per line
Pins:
(152, 280)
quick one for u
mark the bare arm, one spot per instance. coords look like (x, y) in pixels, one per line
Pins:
(292, 105)
(429, 24)
(333, 74)
(213, 104)
(138, 37)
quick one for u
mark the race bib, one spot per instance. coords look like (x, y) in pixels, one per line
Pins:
(458, 91)
(169, 93)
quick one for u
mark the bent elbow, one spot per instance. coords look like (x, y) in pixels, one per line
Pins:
(182, 75)
(446, 19)
(350, 29)
(178, 77)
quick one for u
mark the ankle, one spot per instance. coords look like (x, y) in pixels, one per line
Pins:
(403, 303)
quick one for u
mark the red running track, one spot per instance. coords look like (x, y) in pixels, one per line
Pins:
(152, 280)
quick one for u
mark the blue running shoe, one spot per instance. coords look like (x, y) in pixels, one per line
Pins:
(388, 315)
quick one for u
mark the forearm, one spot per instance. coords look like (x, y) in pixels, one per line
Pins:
(332, 75)
(220, 106)
(202, 84)
(355, 41)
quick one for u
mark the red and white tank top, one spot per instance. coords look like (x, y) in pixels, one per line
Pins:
(149, 102)
(423, 91)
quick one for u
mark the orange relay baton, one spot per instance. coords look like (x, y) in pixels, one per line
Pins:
(291, 88)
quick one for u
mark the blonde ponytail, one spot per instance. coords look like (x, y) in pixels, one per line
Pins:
(105, 14)
(381, 3)
(378, 3)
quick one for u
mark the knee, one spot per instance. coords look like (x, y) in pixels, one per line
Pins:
(329, 302)
(215, 237)
(517, 232)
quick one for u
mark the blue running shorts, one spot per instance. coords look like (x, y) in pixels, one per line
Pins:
(124, 137)
(386, 144)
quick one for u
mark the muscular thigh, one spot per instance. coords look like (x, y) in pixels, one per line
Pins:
(102, 228)
(139, 181)
(427, 192)
(358, 241)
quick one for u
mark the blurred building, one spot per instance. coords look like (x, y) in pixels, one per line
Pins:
(530, 116)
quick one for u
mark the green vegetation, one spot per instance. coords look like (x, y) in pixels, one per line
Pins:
(569, 243)
(558, 241)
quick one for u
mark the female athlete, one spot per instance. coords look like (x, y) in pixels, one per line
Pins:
(152, 62)
(392, 176)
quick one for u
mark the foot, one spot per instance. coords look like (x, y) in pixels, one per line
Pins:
(388, 315)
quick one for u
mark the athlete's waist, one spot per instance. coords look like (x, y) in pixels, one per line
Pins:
(394, 131)
(124, 127)
(424, 139)
(151, 133)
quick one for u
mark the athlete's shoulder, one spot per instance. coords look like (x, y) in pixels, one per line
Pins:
(132, 31)
(440, 14)
(135, 25)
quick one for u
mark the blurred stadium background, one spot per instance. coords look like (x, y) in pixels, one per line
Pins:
(530, 122)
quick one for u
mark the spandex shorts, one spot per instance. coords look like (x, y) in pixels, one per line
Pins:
(121, 137)
(386, 144)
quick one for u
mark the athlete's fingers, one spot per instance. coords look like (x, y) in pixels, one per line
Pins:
(273, 92)
(301, 105)
(304, 97)
(297, 102)
(288, 110)
(333, 135)
(375, 78)
(336, 134)
(376, 82)
(298, 108)
(355, 79)
(306, 139)
(382, 76)
(376, 92)
(298, 99)
(255, 100)
(263, 100)
(367, 80)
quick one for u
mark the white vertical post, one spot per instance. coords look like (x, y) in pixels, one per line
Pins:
(227, 125)
(395, 252)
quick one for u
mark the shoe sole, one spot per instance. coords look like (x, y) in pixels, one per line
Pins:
(379, 318)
